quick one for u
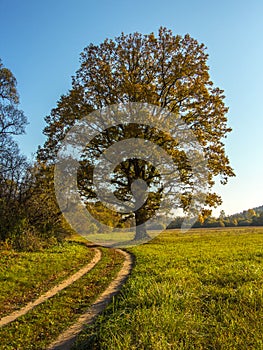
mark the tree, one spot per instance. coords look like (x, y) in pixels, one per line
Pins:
(250, 214)
(258, 220)
(165, 70)
(12, 164)
(40, 206)
(12, 120)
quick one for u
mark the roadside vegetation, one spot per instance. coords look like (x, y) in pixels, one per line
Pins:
(197, 290)
(30, 219)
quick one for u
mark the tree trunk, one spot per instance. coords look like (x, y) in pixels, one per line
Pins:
(141, 233)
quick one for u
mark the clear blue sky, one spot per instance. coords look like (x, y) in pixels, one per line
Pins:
(41, 42)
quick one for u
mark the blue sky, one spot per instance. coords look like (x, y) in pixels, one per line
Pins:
(41, 42)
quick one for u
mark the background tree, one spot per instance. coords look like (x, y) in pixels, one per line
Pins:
(40, 206)
(12, 164)
(164, 70)
(29, 214)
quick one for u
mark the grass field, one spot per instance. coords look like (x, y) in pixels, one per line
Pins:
(197, 290)
(39, 327)
(24, 276)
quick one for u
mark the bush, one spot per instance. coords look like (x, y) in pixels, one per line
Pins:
(28, 242)
(24, 237)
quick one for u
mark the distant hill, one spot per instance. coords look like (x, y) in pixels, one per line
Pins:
(249, 217)
(248, 212)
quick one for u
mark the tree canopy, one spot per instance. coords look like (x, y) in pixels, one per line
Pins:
(165, 70)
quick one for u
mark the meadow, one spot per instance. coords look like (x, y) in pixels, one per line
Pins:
(197, 290)
(25, 275)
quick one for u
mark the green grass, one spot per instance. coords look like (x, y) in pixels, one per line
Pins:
(120, 239)
(198, 290)
(25, 276)
(43, 324)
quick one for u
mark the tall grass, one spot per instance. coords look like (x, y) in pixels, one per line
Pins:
(43, 324)
(26, 275)
(199, 290)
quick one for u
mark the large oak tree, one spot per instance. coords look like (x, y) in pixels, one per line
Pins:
(169, 71)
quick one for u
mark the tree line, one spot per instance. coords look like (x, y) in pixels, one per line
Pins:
(29, 215)
(250, 217)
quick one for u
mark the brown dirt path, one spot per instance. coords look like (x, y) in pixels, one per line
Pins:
(14, 315)
(67, 338)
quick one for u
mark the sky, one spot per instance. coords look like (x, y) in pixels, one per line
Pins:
(41, 42)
